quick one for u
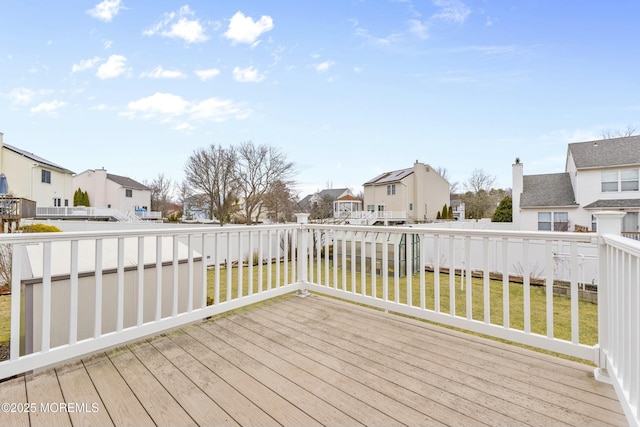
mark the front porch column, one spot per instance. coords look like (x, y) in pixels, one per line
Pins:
(608, 222)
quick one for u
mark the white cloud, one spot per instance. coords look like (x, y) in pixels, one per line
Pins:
(115, 66)
(171, 108)
(248, 74)
(157, 105)
(21, 96)
(207, 74)
(451, 10)
(243, 29)
(418, 28)
(218, 110)
(107, 44)
(178, 25)
(48, 107)
(324, 66)
(105, 10)
(161, 73)
(85, 64)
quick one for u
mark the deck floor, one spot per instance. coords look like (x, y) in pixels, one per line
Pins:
(313, 361)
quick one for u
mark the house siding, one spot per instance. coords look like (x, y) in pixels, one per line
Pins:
(24, 176)
(423, 189)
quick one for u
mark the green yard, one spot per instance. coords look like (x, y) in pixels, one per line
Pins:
(561, 305)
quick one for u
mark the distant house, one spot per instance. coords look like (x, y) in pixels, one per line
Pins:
(107, 190)
(330, 203)
(599, 175)
(34, 178)
(418, 191)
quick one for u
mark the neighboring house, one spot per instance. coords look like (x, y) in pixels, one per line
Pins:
(194, 210)
(599, 175)
(107, 190)
(419, 191)
(458, 210)
(31, 177)
(330, 203)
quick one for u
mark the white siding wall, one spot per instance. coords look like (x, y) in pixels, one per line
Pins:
(25, 180)
(94, 183)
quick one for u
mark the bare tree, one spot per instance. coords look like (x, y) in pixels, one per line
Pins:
(609, 134)
(257, 168)
(211, 172)
(480, 180)
(161, 194)
(280, 202)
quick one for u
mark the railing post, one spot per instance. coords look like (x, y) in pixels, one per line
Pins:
(302, 258)
(608, 223)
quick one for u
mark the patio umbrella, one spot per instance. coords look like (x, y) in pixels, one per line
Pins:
(4, 185)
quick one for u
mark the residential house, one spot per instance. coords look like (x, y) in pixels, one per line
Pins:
(419, 192)
(34, 178)
(331, 203)
(107, 190)
(599, 175)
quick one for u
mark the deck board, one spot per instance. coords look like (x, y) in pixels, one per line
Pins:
(317, 361)
(507, 395)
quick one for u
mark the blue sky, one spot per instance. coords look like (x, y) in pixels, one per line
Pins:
(346, 88)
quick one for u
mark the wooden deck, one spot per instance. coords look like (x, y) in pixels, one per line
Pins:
(314, 361)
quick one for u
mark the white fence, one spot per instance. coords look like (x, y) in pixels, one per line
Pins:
(118, 286)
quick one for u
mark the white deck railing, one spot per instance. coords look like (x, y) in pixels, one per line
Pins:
(93, 212)
(77, 293)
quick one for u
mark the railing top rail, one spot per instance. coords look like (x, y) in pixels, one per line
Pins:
(533, 235)
(623, 243)
(32, 238)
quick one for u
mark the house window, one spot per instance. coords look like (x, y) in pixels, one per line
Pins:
(610, 181)
(57, 202)
(46, 176)
(380, 208)
(410, 206)
(544, 221)
(66, 202)
(629, 180)
(371, 208)
(128, 193)
(594, 223)
(556, 221)
(391, 189)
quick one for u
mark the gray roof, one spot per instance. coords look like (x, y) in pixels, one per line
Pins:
(329, 193)
(37, 159)
(388, 177)
(125, 182)
(615, 203)
(548, 190)
(623, 151)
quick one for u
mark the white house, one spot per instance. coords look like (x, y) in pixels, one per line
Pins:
(107, 190)
(599, 175)
(419, 191)
(34, 178)
(342, 199)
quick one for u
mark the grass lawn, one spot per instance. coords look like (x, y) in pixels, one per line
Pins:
(561, 305)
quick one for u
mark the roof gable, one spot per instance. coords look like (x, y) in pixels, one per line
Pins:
(548, 190)
(603, 153)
